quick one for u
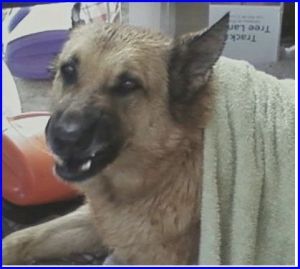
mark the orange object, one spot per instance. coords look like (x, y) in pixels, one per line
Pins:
(28, 177)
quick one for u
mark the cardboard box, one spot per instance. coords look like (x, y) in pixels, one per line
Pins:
(254, 30)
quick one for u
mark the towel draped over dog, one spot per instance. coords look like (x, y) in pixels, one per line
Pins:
(248, 192)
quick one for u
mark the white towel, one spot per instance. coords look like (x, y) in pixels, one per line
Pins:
(248, 194)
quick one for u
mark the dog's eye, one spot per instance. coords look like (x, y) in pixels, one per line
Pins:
(126, 87)
(69, 73)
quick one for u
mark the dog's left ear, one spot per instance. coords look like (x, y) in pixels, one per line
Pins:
(75, 16)
(192, 58)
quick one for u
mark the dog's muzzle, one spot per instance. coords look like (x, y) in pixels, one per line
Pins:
(83, 142)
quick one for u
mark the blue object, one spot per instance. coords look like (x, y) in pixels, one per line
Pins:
(20, 15)
(30, 56)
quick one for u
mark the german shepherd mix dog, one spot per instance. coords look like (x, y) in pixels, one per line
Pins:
(127, 130)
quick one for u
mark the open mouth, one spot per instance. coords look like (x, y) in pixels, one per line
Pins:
(79, 169)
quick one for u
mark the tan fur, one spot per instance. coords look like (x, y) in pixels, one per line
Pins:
(61, 237)
(145, 205)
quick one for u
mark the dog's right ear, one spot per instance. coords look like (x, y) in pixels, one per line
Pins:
(192, 58)
(75, 16)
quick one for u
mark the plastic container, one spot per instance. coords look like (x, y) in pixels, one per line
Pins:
(33, 38)
(28, 177)
(30, 57)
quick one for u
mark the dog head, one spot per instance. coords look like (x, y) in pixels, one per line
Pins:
(120, 87)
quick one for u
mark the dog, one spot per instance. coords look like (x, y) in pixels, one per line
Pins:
(127, 131)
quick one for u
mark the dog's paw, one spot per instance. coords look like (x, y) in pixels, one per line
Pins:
(112, 260)
(14, 249)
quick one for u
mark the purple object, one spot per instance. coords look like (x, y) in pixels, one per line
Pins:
(20, 15)
(30, 56)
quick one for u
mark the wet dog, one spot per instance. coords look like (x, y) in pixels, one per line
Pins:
(127, 130)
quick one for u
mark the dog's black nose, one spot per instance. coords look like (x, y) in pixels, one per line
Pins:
(70, 132)
(70, 127)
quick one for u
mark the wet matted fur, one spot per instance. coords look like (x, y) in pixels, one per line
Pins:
(127, 130)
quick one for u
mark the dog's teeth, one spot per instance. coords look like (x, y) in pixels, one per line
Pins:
(86, 166)
(58, 160)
